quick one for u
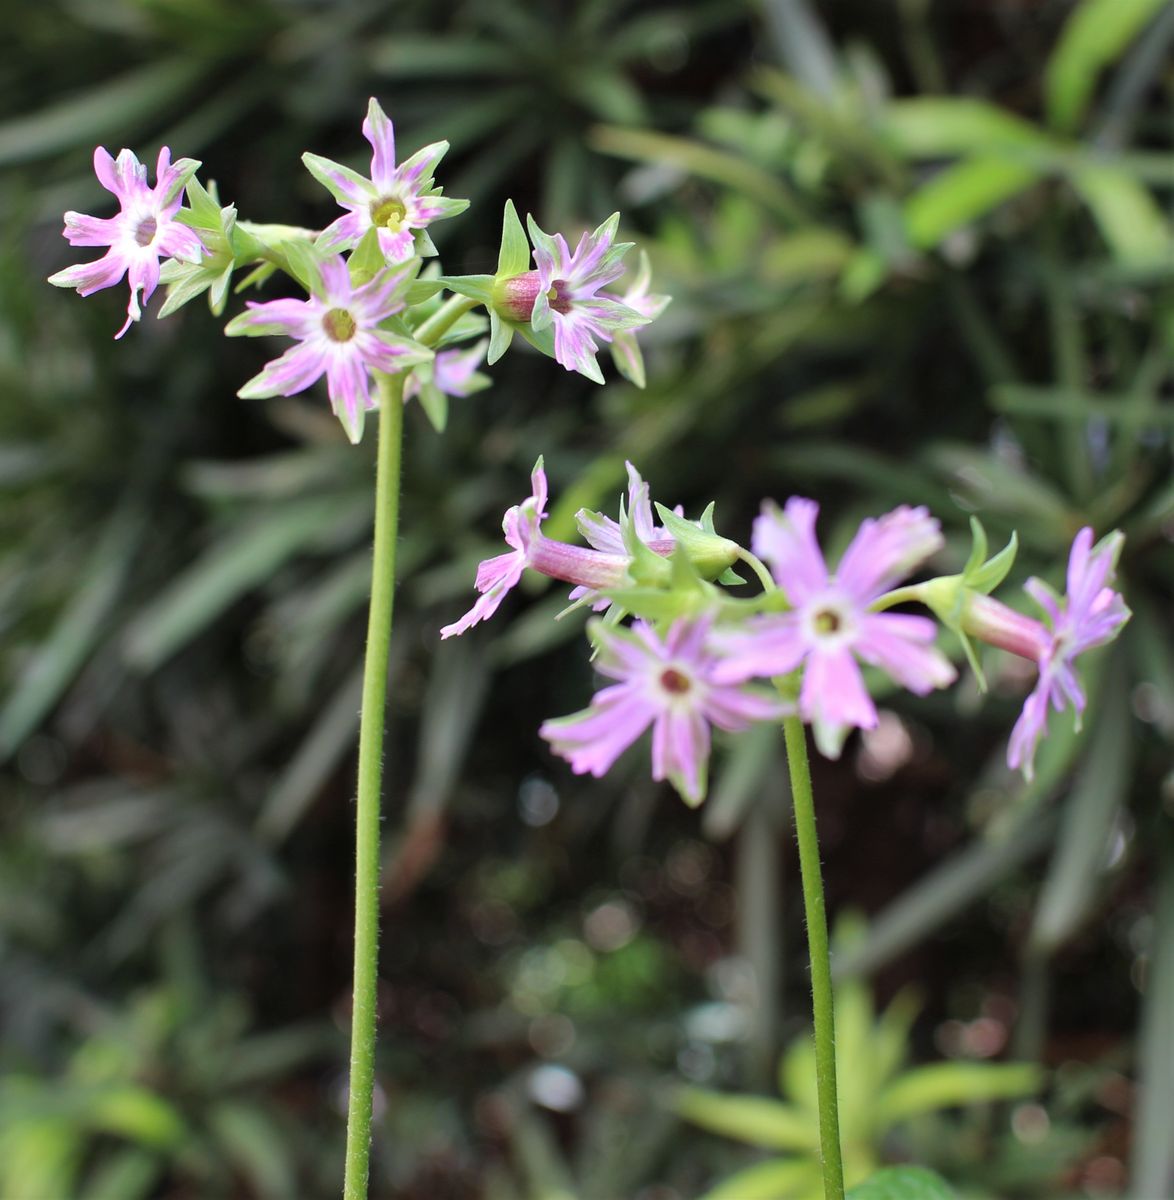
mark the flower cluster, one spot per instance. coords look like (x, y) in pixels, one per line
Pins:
(695, 657)
(369, 312)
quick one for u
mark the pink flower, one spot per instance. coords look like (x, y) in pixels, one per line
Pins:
(143, 230)
(830, 626)
(605, 535)
(529, 547)
(338, 336)
(669, 684)
(454, 372)
(395, 201)
(566, 294)
(1091, 614)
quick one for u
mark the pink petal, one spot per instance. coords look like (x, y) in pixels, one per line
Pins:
(901, 645)
(786, 541)
(379, 131)
(885, 550)
(833, 690)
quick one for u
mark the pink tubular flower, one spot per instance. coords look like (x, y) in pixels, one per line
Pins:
(604, 534)
(830, 625)
(566, 294)
(338, 335)
(529, 547)
(143, 230)
(1091, 614)
(395, 201)
(669, 684)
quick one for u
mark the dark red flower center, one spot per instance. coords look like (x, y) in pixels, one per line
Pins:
(674, 681)
(145, 231)
(558, 298)
(827, 621)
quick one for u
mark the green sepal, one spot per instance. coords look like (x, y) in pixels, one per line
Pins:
(542, 341)
(647, 567)
(435, 405)
(514, 256)
(475, 287)
(730, 577)
(709, 552)
(501, 333)
(367, 259)
(256, 277)
(298, 260)
(986, 576)
(420, 290)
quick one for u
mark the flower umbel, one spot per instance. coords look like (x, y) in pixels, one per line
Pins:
(830, 626)
(338, 335)
(1089, 615)
(396, 201)
(144, 230)
(667, 683)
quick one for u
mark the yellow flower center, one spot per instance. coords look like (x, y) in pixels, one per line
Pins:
(339, 325)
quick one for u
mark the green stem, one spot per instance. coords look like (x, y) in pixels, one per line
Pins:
(759, 569)
(362, 1074)
(443, 319)
(821, 965)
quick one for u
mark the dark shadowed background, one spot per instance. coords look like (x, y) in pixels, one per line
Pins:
(921, 252)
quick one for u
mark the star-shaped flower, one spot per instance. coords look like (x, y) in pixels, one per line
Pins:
(396, 201)
(670, 683)
(144, 230)
(830, 626)
(1090, 614)
(567, 294)
(339, 336)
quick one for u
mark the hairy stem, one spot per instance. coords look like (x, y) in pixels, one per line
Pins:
(821, 966)
(362, 1073)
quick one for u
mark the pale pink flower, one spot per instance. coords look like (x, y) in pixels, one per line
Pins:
(830, 626)
(1089, 615)
(144, 230)
(566, 294)
(397, 201)
(529, 547)
(667, 683)
(454, 372)
(625, 350)
(339, 336)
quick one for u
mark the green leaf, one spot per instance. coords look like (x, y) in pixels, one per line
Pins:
(1129, 217)
(137, 1114)
(961, 194)
(779, 1179)
(903, 1183)
(57, 660)
(128, 1175)
(940, 127)
(114, 110)
(954, 1084)
(1076, 872)
(1096, 33)
(199, 594)
(252, 1141)
(514, 256)
(756, 1120)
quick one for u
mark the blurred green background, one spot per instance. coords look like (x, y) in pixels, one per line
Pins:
(921, 251)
